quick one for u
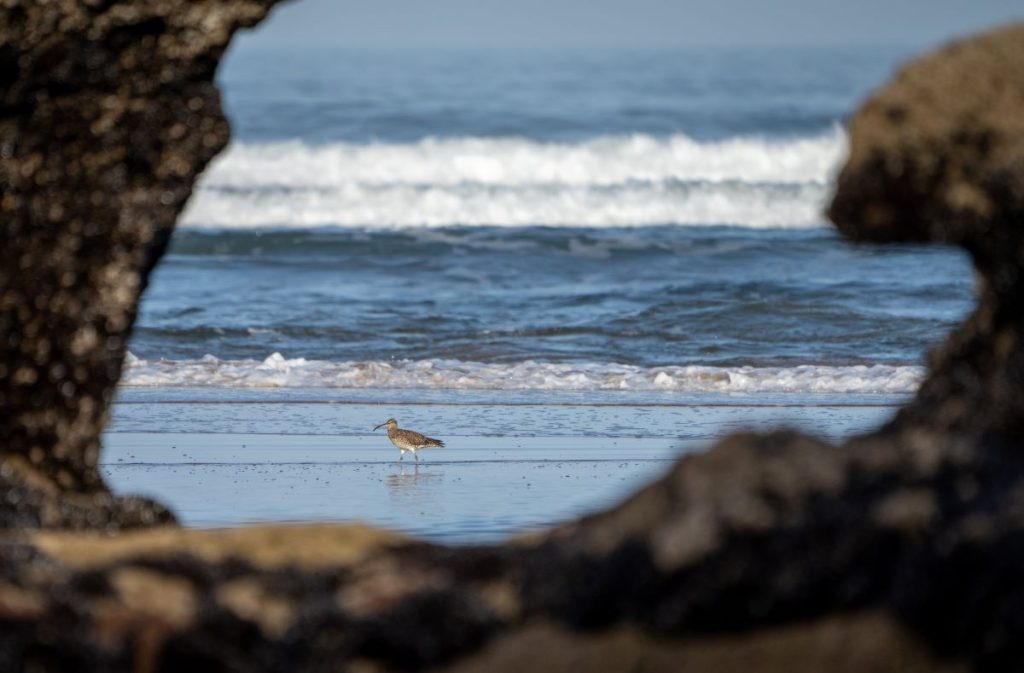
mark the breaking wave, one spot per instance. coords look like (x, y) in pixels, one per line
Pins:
(277, 371)
(609, 181)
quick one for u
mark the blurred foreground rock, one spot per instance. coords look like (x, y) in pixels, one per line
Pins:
(897, 551)
(108, 113)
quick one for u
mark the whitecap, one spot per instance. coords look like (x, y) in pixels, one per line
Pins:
(610, 181)
(279, 371)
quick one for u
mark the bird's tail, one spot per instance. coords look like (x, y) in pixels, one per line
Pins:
(434, 442)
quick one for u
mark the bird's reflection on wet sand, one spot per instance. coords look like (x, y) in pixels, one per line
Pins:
(412, 483)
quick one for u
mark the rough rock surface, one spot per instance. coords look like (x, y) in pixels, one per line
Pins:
(108, 112)
(897, 551)
(938, 155)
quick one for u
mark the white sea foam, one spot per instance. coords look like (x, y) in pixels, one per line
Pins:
(514, 161)
(277, 371)
(610, 181)
(404, 206)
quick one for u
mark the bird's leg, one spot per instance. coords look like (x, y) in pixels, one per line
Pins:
(401, 456)
(416, 456)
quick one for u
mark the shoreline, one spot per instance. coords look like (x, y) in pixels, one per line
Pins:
(477, 489)
(508, 467)
(493, 414)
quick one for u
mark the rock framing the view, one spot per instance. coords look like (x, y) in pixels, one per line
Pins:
(896, 551)
(109, 113)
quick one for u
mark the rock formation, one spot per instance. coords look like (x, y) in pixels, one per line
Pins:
(897, 551)
(938, 155)
(108, 113)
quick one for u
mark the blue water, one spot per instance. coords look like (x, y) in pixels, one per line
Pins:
(321, 95)
(572, 267)
(549, 221)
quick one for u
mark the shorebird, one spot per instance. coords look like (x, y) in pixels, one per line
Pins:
(407, 440)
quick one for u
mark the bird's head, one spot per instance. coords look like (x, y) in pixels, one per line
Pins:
(391, 423)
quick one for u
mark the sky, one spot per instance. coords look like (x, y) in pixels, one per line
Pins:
(513, 24)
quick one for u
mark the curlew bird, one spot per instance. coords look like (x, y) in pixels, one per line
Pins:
(408, 440)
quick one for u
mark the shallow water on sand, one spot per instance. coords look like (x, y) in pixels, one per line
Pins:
(476, 489)
(507, 468)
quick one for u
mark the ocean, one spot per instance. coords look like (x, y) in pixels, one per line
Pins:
(598, 261)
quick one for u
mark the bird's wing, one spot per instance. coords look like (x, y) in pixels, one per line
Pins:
(422, 440)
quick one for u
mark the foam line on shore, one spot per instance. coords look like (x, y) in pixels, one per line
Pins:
(276, 371)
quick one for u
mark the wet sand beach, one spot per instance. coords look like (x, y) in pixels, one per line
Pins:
(509, 467)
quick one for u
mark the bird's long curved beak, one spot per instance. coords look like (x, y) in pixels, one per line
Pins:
(381, 425)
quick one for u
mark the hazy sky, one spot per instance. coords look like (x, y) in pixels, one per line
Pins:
(626, 23)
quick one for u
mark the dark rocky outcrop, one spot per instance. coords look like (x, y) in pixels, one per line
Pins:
(938, 155)
(108, 112)
(896, 551)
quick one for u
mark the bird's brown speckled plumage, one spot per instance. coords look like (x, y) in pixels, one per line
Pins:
(408, 440)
